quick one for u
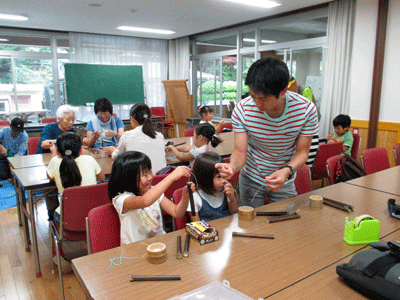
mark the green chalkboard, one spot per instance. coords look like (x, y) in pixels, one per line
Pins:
(86, 83)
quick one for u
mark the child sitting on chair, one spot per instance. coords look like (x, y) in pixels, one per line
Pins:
(206, 114)
(342, 124)
(203, 135)
(215, 197)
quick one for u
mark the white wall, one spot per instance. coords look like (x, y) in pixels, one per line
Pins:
(363, 61)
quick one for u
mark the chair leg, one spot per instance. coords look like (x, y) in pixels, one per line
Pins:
(58, 250)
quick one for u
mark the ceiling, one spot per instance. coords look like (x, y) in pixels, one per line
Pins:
(185, 17)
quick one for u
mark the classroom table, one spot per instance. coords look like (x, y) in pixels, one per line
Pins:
(386, 181)
(256, 267)
(29, 174)
(326, 283)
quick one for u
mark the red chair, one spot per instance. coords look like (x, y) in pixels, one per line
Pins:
(397, 154)
(76, 203)
(159, 113)
(103, 229)
(49, 120)
(302, 181)
(331, 167)
(188, 132)
(4, 123)
(180, 222)
(325, 151)
(169, 223)
(356, 145)
(375, 160)
(32, 144)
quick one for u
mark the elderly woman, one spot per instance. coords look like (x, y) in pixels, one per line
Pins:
(103, 129)
(65, 120)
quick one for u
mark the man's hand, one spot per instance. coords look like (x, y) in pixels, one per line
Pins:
(276, 180)
(225, 170)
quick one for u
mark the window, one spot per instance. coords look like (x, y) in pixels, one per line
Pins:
(29, 72)
(297, 39)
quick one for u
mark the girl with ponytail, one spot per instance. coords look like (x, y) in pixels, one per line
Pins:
(142, 137)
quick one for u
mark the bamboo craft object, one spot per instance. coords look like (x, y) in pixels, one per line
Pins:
(292, 216)
(271, 213)
(252, 235)
(193, 210)
(340, 205)
(178, 247)
(154, 278)
(187, 243)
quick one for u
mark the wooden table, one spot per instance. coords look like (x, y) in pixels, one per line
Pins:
(325, 284)
(255, 267)
(29, 174)
(385, 181)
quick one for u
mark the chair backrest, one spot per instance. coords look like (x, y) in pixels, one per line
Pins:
(32, 144)
(331, 167)
(397, 154)
(375, 160)
(103, 228)
(356, 145)
(4, 122)
(181, 182)
(158, 111)
(176, 197)
(77, 201)
(302, 181)
(325, 151)
(49, 120)
(227, 125)
(188, 132)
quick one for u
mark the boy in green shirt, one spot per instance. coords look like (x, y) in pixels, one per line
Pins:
(342, 124)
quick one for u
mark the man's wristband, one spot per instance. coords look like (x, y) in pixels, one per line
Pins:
(292, 171)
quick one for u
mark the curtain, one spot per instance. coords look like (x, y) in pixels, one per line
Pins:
(151, 54)
(335, 99)
(179, 59)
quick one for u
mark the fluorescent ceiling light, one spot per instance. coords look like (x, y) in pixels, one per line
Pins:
(262, 41)
(13, 17)
(148, 30)
(4, 40)
(258, 3)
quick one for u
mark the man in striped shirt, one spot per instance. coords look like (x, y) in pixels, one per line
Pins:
(273, 131)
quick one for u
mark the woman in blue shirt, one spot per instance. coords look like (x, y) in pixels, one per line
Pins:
(103, 129)
(65, 121)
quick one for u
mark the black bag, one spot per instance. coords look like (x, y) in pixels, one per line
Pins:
(348, 168)
(5, 171)
(375, 272)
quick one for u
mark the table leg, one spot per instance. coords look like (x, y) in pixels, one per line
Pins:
(14, 181)
(34, 236)
(21, 201)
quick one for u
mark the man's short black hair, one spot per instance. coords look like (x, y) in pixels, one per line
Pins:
(103, 105)
(342, 120)
(269, 76)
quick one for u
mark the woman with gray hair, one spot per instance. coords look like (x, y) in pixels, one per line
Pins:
(65, 120)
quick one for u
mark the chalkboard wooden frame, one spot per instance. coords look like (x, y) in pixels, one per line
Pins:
(121, 84)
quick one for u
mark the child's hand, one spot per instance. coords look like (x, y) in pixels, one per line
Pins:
(97, 134)
(186, 192)
(222, 122)
(181, 171)
(330, 136)
(229, 190)
(169, 148)
(108, 150)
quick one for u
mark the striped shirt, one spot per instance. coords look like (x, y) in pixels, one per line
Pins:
(272, 141)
